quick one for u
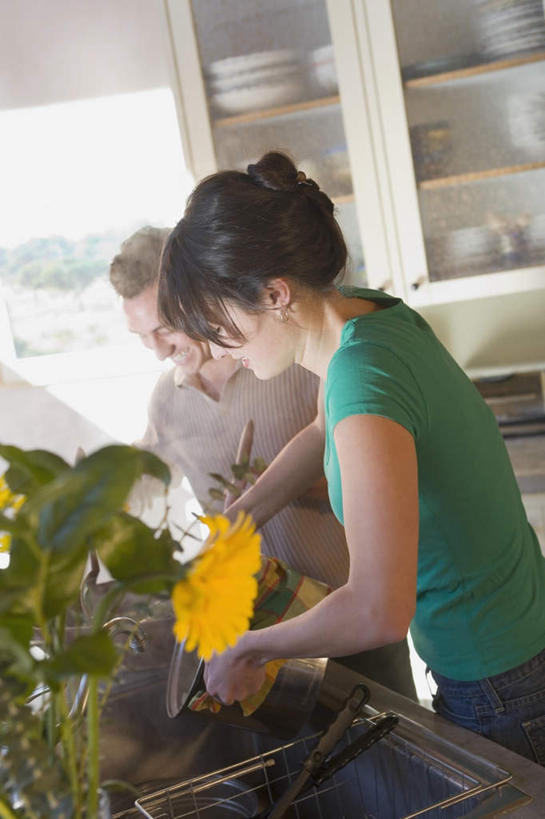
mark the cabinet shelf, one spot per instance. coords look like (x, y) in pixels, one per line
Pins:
(278, 111)
(475, 176)
(474, 70)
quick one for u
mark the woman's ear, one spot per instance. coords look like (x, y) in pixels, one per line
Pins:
(278, 293)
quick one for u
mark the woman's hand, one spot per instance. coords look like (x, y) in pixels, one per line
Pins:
(229, 676)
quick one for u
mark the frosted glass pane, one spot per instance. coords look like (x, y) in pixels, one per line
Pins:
(478, 134)
(270, 78)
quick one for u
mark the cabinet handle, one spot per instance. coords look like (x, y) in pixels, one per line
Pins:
(417, 282)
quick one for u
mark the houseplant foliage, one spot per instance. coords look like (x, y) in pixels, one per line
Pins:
(52, 516)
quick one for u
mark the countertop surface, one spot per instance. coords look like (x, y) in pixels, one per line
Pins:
(163, 748)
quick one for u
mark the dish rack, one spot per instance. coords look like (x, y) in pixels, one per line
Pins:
(410, 772)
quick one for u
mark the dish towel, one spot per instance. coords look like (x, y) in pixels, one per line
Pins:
(282, 593)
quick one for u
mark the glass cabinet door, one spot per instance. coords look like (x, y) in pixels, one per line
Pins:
(270, 81)
(473, 74)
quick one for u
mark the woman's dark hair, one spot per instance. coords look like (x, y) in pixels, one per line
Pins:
(240, 230)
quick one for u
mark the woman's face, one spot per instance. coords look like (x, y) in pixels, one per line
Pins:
(268, 347)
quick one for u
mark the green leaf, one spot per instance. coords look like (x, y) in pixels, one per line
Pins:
(63, 581)
(30, 469)
(132, 553)
(15, 655)
(89, 654)
(259, 465)
(221, 480)
(22, 572)
(239, 471)
(216, 494)
(8, 524)
(19, 626)
(82, 499)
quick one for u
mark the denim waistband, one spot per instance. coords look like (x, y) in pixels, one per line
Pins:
(499, 681)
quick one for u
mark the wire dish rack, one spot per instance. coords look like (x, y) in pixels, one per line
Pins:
(410, 772)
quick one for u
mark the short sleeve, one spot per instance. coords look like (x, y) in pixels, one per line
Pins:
(365, 378)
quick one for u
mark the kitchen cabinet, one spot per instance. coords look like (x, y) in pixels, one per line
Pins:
(421, 119)
(261, 75)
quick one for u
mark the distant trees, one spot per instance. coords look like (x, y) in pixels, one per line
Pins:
(58, 263)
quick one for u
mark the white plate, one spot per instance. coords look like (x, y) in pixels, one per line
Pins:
(243, 100)
(251, 62)
(265, 76)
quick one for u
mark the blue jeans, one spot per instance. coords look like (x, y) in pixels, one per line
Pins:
(508, 708)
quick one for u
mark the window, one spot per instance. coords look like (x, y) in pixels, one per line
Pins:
(79, 175)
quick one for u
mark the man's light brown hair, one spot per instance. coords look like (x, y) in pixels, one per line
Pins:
(136, 266)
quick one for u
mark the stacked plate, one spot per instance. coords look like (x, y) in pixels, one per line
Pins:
(469, 244)
(252, 81)
(510, 26)
(322, 71)
(527, 121)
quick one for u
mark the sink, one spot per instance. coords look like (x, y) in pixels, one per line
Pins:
(411, 772)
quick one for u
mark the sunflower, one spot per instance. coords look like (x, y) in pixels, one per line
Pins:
(9, 500)
(10, 503)
(213, 603)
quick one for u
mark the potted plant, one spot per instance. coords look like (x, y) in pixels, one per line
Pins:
(52, 517)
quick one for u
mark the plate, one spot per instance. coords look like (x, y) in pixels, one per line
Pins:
(244, 100)
(251, 62)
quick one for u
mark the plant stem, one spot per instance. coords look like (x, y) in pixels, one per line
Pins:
(69, 747)
(92, 746)
(6, 812)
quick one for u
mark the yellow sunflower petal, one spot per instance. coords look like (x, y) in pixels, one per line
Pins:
(213, 603)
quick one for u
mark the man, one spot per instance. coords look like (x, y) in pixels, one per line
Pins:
(197, 413)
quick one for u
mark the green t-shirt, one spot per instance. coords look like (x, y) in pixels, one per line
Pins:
(481, 575)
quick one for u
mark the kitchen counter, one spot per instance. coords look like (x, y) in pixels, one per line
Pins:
(527, 776)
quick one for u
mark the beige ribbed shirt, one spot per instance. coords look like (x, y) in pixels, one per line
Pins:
(196, 435)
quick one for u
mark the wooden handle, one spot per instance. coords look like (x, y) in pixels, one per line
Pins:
(245, 443)
(243, 454)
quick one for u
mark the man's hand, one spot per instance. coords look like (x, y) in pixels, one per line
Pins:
(229, 677)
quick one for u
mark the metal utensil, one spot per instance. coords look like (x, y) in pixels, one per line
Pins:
(344, 719)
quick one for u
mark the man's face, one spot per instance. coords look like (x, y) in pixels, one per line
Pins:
(141, 315)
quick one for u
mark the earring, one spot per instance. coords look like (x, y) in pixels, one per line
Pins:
(284, 314)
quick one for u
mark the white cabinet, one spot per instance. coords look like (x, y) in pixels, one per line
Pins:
(453, 97)
(432, 145)
(256, 75)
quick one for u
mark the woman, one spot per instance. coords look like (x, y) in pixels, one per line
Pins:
(417, 470)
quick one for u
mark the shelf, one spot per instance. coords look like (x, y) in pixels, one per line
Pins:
(279, 111)
(475, 176)
(474, 70)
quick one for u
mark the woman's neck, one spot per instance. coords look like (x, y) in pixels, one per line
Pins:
(322, 319)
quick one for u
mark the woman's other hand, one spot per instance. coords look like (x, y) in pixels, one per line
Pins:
(229, 676)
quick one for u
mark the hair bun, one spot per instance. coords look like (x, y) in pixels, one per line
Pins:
(274, 171)
(277, 172)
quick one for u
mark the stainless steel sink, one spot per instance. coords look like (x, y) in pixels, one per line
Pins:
(409, 773)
